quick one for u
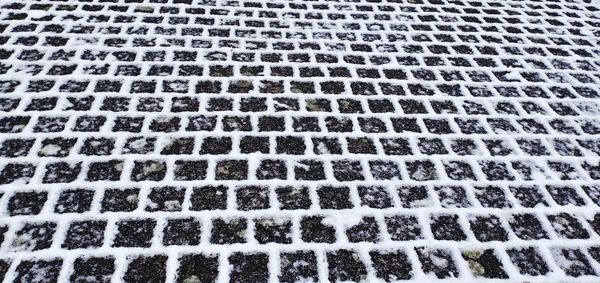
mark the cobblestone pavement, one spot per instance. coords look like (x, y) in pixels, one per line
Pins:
(254, 141)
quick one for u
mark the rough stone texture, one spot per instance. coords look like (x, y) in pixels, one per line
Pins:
(256, 141)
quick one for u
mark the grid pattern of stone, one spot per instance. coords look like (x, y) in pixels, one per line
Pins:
(248, 141)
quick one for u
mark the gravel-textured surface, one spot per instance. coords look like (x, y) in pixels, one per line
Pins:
(253, 141)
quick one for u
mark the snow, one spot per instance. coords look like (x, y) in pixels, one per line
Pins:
(506, 32)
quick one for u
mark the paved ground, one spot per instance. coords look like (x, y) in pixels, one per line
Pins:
(250, 141)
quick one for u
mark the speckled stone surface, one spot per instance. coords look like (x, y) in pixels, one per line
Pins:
(264, 141)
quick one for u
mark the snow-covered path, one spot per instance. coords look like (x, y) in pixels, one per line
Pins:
(265, 141)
